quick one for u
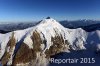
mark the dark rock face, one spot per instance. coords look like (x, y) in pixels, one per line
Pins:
(48, 17)
(23, 55)
(9, 50)
(36, 42)
(57, 47)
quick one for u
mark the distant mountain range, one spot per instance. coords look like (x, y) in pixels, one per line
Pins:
(8, 27)
(78, 23)
(88, 25)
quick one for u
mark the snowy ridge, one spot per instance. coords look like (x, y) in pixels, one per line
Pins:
(48, 28)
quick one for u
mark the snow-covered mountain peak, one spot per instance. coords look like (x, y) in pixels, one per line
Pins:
(50, 26)
(48, 17)
(50, 22)
(38, 43)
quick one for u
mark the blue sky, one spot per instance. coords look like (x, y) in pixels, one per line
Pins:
(35, 10)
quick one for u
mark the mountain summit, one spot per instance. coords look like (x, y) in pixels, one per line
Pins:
(34, 46)
(48, 17)
(26, 47)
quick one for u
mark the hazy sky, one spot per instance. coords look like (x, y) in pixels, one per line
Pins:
(33, 10)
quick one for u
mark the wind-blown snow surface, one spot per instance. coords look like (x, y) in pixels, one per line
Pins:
(48, 28)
